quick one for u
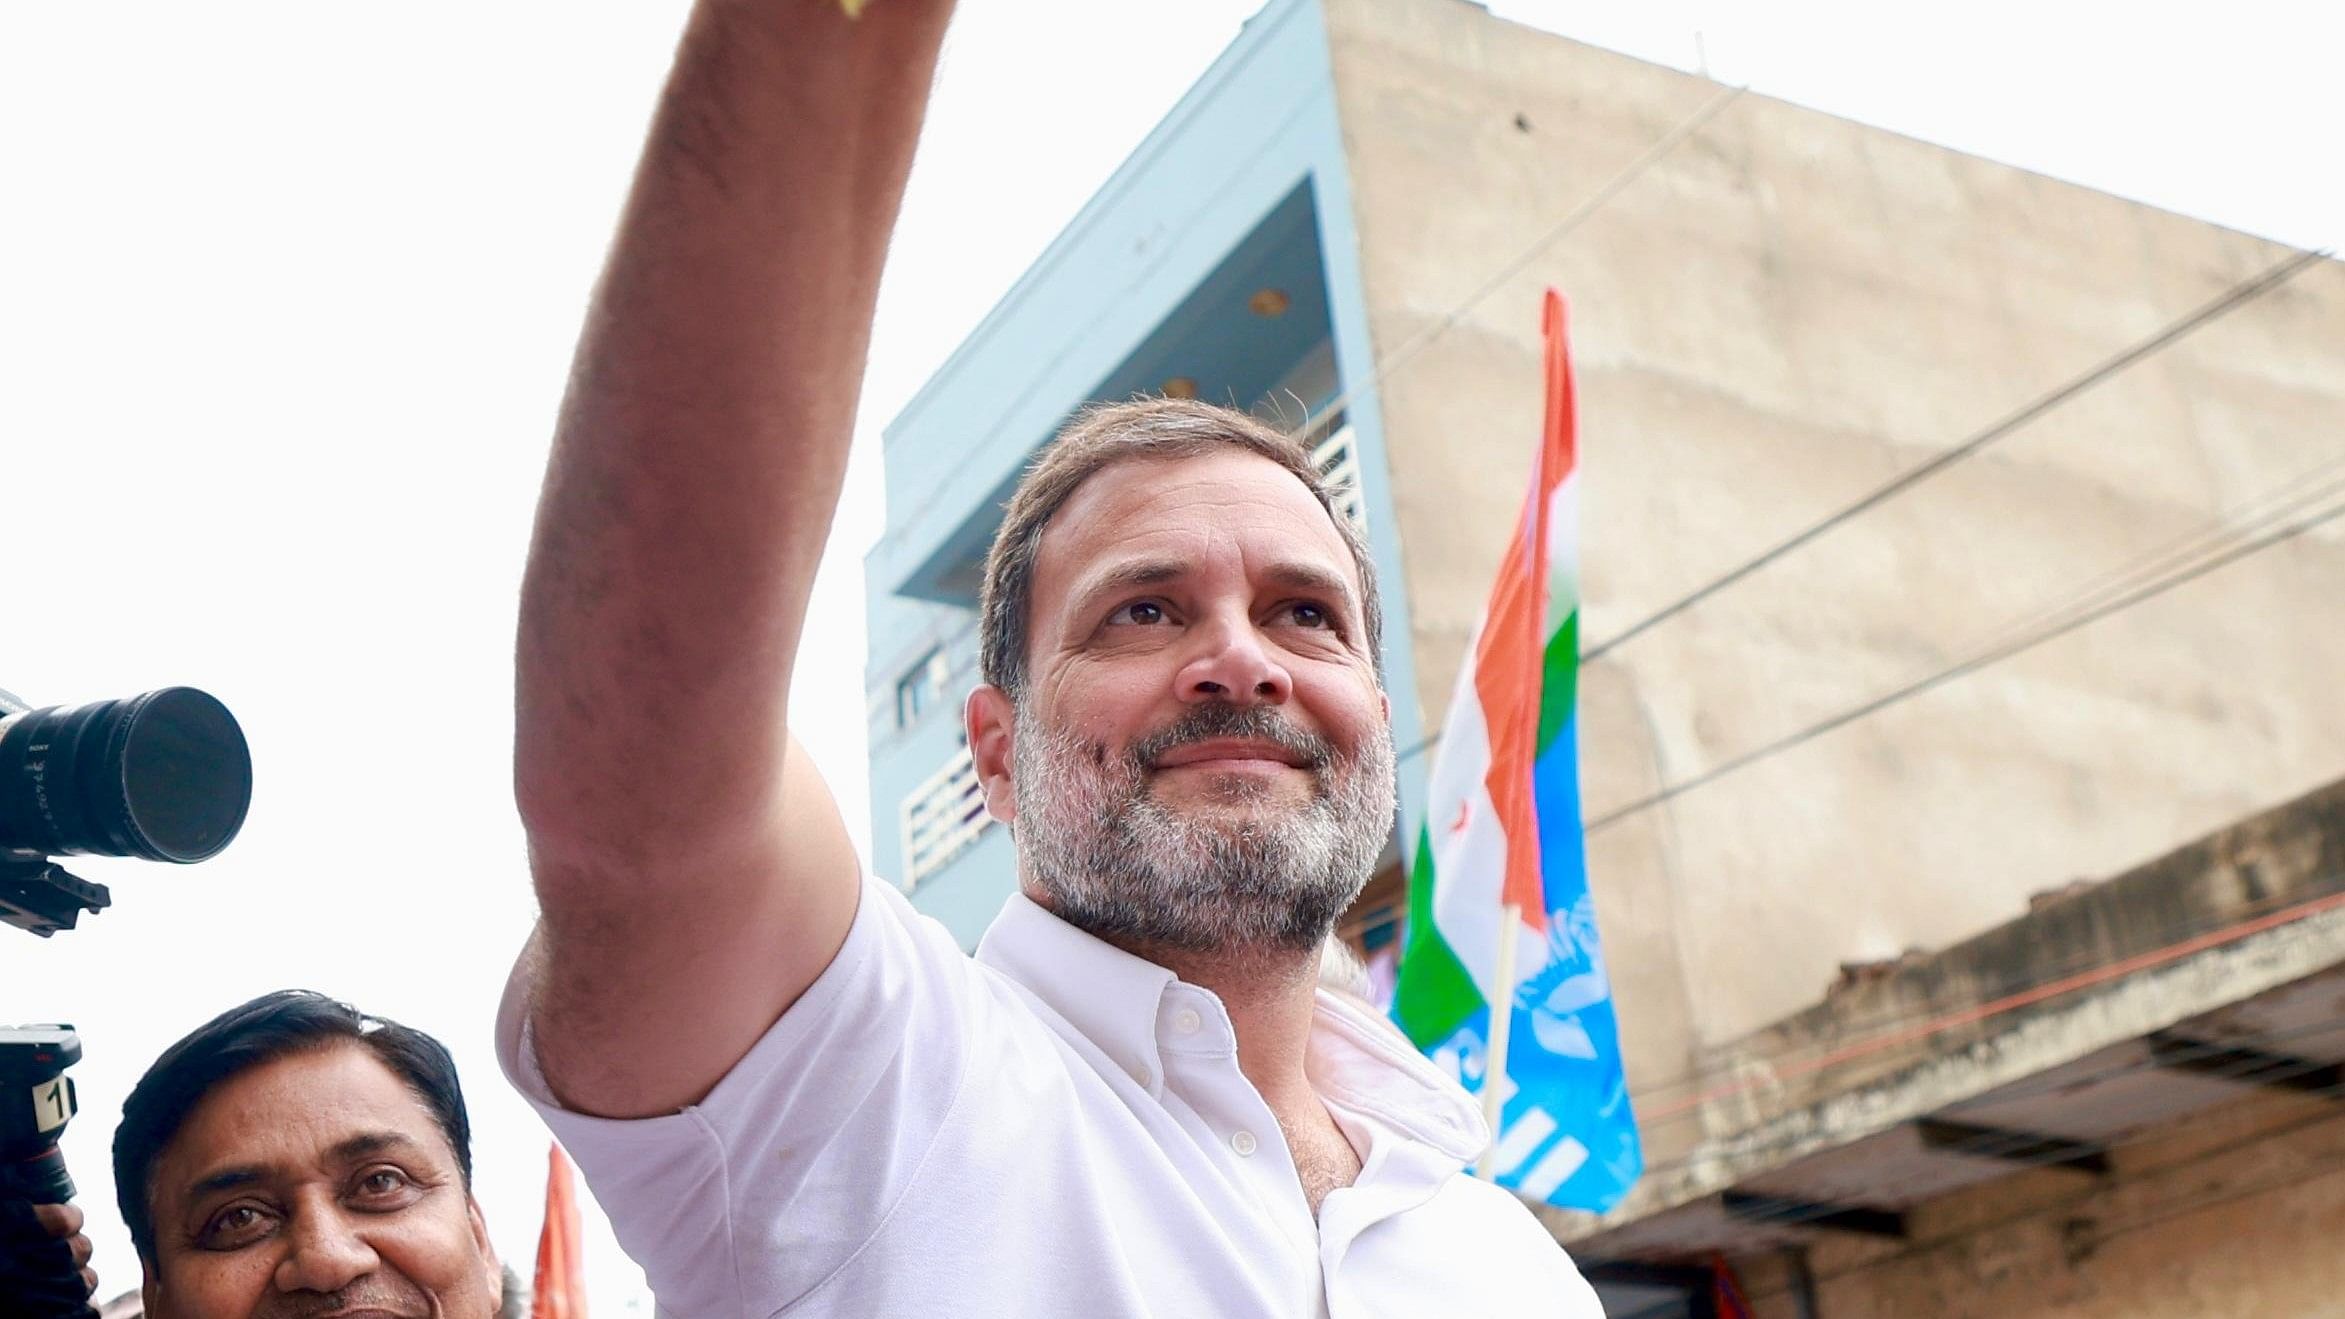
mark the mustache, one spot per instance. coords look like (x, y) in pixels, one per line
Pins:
(1219, 719)
(364, 1296)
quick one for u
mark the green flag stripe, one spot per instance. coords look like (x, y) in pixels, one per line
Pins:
(1435, 994)
(1559, 686)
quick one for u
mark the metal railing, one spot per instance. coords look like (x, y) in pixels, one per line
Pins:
(1338, 461)
(942, 817)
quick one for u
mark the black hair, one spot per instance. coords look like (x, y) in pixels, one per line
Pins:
(267, 1028)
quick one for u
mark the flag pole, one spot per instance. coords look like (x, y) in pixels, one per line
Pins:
(1510, 922)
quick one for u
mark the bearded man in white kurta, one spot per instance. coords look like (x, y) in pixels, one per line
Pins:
(794, 1094)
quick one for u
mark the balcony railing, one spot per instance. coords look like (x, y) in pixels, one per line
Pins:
(1338, 460)
(942, 818)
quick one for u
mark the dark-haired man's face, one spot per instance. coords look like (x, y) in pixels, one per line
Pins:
(316, 1184)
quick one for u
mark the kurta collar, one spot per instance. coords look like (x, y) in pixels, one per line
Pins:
(1112, 998)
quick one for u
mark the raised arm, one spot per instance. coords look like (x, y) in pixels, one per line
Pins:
(692, 870)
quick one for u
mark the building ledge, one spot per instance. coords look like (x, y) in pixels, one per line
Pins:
(2100, 1013)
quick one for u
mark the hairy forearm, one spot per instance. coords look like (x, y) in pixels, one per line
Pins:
(703, 441)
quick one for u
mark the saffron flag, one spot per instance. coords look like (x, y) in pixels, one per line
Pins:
(1502, 830)
(560, 1289)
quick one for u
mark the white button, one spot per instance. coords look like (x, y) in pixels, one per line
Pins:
(1143, 1076)
(1243, 1143)
(1186, 1021)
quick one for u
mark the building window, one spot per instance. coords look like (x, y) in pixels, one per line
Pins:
(921, 687)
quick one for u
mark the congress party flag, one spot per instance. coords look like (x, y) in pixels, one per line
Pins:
(1499, 911)
(560, 1289)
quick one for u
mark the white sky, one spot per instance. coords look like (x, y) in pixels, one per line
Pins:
(287, 291)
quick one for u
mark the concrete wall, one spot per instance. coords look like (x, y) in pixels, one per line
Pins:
(2236, 1216)
(1785, 312)
(2238, 938)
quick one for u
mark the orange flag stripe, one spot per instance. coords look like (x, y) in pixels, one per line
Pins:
(560, 1289)
(1509, 666)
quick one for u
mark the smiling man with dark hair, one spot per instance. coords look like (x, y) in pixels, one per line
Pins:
(294, 1157)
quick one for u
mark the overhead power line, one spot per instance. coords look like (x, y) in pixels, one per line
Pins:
(1868, 1026)
(2103, 973)
(1996, 654)
(2246, 291)
(2082, 969)
(2303, 490)
(2239, 294)
(2226, 531)
(1572, 219)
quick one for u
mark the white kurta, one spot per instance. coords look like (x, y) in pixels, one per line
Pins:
(1055, 1128)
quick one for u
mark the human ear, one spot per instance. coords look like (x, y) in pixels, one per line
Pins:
(488, 1249)
(991, 718)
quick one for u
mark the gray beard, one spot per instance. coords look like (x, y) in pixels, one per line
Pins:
(1113, 860)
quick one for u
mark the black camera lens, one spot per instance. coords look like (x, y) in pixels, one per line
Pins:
(165, 776)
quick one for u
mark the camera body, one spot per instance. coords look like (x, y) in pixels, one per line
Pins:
(36, 1101)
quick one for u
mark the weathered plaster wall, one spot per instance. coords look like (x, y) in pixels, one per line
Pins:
(2237, 939)
(1785, 312)
(2287, 859)
(2236, 1216)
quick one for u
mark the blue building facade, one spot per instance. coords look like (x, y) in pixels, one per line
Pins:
(1220, 261)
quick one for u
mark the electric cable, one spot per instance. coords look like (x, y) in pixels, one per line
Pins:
(1572, 219)
(2173, 564)
(2286, 498)
(1317, 419)
(1778, 1072)
(1948, 674)
(2237, 295)
(2028, 980)
(2030, 631)
(2289, 496)
(2305, 487)
(1648, 1096)
(2330, 895)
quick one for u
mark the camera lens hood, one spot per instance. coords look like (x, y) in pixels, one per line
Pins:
(165, 776)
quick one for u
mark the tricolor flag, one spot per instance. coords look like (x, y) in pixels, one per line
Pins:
(560, 1291)
(1498, 890)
